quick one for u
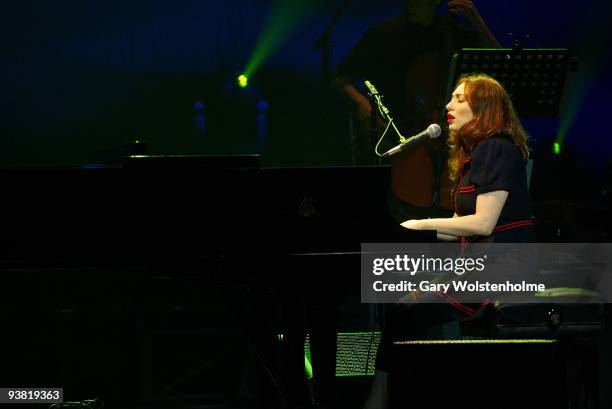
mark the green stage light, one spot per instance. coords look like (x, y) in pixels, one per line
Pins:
(307, 366)
(243, 81)
(284, 19)
(593, 30)
(557, 148)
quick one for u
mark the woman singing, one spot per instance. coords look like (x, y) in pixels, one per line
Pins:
(488, 154)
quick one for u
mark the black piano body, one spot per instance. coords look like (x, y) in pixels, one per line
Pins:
(97, 259)
(184, 210)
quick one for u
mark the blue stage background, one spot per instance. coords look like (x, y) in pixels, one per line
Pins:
(81, 78)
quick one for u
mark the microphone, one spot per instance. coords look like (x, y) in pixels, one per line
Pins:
(433, 131)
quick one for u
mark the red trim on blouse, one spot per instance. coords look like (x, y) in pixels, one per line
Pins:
(467, 189)
(456, 304)
(463, 240)
(508, 226)
(513, 225)
(461, 174)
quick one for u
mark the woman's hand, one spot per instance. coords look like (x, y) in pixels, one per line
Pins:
(414, 224)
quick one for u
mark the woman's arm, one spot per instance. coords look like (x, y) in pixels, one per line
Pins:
(488, 208)
(448, 237)
(469, 10)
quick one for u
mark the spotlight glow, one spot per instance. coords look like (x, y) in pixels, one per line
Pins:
(243, 81)
(284, 19)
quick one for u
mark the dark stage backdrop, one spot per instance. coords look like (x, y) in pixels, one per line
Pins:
(82, 77)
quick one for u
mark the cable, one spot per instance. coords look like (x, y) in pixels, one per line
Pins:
(381, 138)
(384, 113)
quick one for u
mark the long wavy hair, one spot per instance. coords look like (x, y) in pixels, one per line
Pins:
(493, 113)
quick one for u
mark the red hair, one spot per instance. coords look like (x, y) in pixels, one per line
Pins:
(493, 113)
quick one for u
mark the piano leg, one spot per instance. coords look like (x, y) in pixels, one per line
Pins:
(316, 314)
(323, 342)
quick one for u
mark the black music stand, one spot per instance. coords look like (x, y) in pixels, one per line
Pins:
(534, 77)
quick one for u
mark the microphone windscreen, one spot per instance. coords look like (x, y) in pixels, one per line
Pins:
(434, 131)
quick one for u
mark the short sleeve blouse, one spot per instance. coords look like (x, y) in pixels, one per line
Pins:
(496, 163)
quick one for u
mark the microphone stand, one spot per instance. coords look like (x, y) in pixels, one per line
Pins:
(376, 98)
(373, 131)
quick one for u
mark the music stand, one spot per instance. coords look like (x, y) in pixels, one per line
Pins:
(534, 77)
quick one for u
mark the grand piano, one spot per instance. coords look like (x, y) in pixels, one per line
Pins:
(192, 210)
(97, 258)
